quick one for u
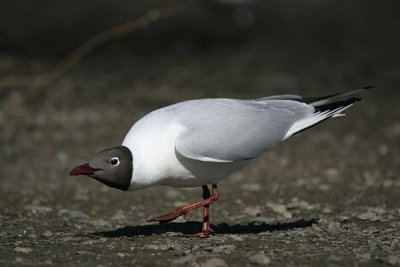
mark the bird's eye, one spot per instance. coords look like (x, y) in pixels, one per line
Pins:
(114, 161)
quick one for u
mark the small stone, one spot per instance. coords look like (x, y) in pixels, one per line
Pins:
(172, 193)
(152, 247)
(251, 187)
(73, 214)
(393, 260)
(380, 210)
(260, 259)
(334, 225)
(252, 211)
(48, 262)
(388, 183)
(62, 156)
(67, 239)
(370, 216)
(119, 216)
(82, 252)
(236, 238)
(394, 130)
(47, 234)
(23, 250)
(183, 260)
(214, 262)
(364, 257)
(171, 234)
(327, 210)
(225, 249)
(280, 208)
(38, 209)
(88, 242)
(332, 173)
(298, 204)
(294, 233)
(324, 187)
(100, 223)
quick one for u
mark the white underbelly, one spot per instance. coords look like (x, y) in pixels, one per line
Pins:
(198, 173)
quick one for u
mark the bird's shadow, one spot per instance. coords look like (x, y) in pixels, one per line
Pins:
(193, 227)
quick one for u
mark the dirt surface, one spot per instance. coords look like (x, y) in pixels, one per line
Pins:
(329, 196)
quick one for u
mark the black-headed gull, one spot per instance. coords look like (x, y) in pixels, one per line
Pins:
(200, 142)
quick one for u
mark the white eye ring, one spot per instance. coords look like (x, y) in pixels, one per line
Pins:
(115, 161)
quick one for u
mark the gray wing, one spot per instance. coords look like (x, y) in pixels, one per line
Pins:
(225, 130)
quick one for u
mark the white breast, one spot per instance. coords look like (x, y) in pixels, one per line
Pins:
(155, 160)
(152, 143)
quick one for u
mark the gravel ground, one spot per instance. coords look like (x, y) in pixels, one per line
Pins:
(328, 196)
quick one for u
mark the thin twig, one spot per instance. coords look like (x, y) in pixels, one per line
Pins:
(76, 55)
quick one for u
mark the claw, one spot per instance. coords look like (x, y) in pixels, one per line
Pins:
(206, 232)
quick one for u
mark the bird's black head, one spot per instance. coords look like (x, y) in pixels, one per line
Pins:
(112, 167)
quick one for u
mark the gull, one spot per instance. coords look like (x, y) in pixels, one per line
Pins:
(197, 143)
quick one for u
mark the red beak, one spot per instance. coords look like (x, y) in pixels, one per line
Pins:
(83, 169)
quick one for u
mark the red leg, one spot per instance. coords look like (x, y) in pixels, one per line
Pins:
(206, 229)
(208, 199)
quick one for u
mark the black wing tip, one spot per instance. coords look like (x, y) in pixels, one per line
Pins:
(337, 104)
(348, 101)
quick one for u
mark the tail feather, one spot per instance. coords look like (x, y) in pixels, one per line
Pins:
(319, 101)
(325, 108)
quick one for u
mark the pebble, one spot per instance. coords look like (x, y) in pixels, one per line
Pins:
(152, 247)
(281, 209)
(172, 193)
(47, 234)
(393, 260)
(100, 223)
(299, 204)
(214, 262)
(364, 257)
(48, 262)
(67, 239)
(236, 238)
(344, 218)
(82, 252)
(252, 211)
(119, 216)
(225, 249)
(38, 209)
(251, 187)
(260, 259)
(334, 225)
(183, 260)
(370, 216)
(165, 246)
(23, 249)
(73, 214)
(327, 210)
(62, 156)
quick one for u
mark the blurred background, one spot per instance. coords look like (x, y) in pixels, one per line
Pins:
(195, 49)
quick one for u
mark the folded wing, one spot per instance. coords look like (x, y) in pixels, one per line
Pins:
(226, 130)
